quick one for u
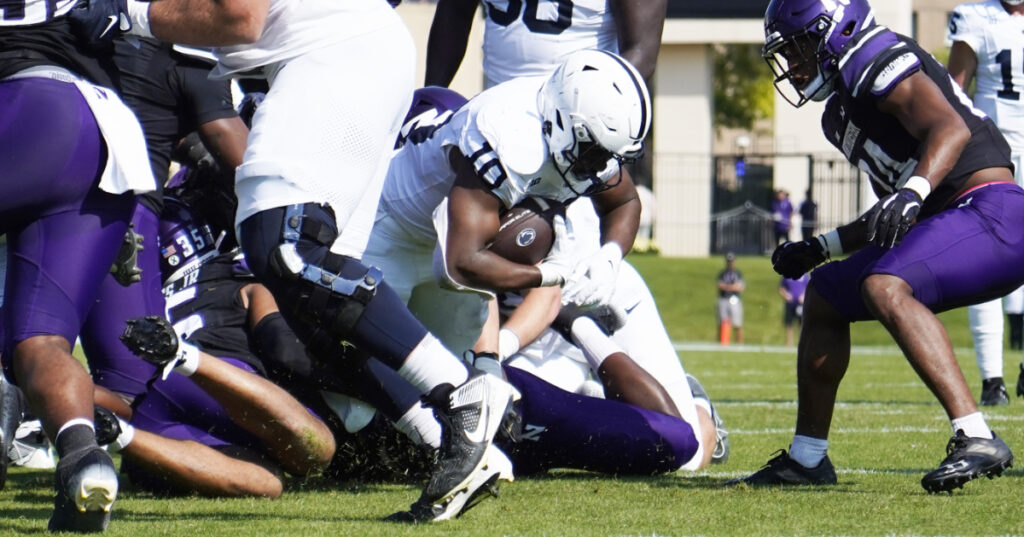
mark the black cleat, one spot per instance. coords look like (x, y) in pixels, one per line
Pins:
(721, 452)
(483, 484)
(782, 470)
(470, 416)
(12, 409)
(968, 458)
(1020, 381)
(86, 485)
(993, 392)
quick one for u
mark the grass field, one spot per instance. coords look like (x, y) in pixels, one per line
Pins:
(887, 432)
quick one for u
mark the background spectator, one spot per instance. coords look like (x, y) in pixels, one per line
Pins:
(808, 216)
(730, 306)
(792, 292)
(782, 214)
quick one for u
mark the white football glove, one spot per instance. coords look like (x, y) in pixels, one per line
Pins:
(556, 268)
(594, 278)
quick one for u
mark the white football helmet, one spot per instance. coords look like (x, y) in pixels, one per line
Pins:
(596, 112)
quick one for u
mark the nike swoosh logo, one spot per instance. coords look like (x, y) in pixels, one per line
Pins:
(631, 308)
(111, 21)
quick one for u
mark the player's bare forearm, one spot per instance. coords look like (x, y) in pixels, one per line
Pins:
(619, 209)
(208, 23)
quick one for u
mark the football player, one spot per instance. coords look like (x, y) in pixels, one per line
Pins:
(531, 39)
(948, 211)
(560, 137)
(215, 426)
(171, 94)
(988, 45)
(627, 347)
(302, 230)
(74, 158)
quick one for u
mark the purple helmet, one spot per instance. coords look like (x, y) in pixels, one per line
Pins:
(804, 40)
(185, 240)
(431, 108)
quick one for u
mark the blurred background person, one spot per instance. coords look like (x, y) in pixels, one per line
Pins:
(782, 215)
(792, 293)
(730, 305)
(808, 216)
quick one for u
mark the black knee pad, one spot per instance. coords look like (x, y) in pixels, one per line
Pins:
(322, 289)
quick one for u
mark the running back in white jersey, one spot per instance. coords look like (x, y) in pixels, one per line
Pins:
(997, 39)
(500, 132)
(530, 37)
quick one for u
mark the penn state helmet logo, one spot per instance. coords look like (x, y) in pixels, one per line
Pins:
(526, 237)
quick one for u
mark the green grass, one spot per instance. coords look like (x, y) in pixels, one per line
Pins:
(887, 432)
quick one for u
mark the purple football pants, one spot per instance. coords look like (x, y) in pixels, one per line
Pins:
(62, 231)
(565, 430)
(970, 253)
(111, 364)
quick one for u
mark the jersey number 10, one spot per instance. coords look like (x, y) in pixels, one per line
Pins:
(504, 18)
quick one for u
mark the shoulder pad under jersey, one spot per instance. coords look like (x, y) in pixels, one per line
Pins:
(874, 63)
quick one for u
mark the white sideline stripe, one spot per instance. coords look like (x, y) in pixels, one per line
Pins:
(782, 349)
(844, 430)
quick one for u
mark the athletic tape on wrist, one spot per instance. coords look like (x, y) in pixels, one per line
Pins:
(138, 12)
(831, 243)
(920, 185)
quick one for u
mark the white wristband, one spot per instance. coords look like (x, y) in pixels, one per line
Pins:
(549, 276)
(920, 185)
(508, 343)
(123, 439)
(186, 363)
(138, 12)
(831, 244)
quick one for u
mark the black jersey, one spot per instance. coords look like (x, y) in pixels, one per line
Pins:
(36, 32)
(871, 65)
(209, 311)
(171, 95)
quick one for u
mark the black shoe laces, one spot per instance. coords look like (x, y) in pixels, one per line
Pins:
(956, 443)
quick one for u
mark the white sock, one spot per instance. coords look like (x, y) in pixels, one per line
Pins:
(972, 425)
(595, 344)
(986, 323)
(808, 451)
(430, 364)
(420, 425)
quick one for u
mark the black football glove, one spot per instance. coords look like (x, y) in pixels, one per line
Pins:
(151, 338)
(892, 216)
(794, 259)
(107, 426)
(97, 22)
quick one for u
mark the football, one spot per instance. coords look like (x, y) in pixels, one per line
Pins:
(525, 235)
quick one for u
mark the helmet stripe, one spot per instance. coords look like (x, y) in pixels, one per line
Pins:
(637, 84)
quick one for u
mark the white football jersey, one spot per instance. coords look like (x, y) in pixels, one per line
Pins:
(297, 26)
(499, 130)
(997, 38)
(530, 38)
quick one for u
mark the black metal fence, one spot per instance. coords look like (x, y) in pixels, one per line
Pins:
(741, 219)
